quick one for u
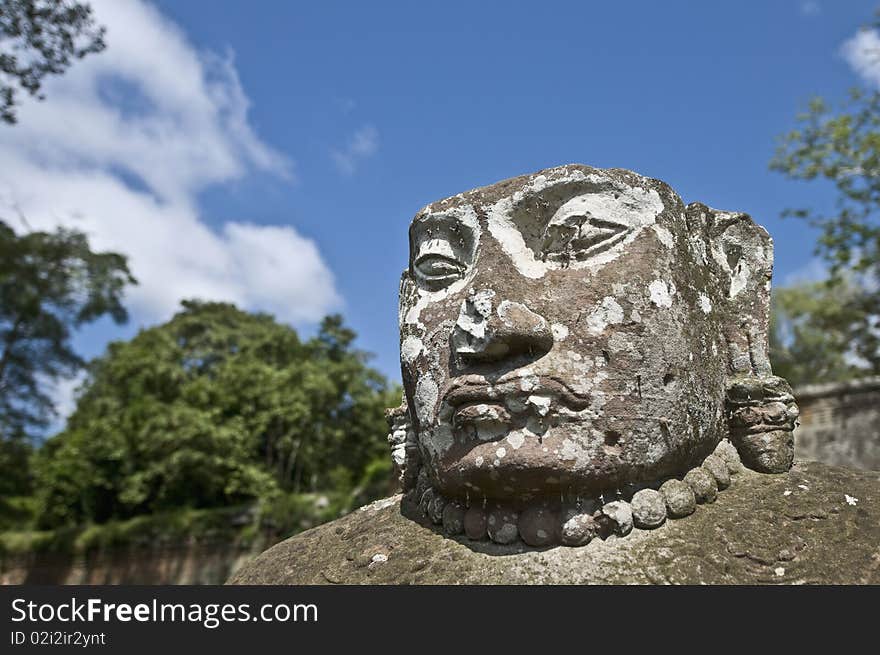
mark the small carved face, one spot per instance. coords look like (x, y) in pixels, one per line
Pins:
(559, 335)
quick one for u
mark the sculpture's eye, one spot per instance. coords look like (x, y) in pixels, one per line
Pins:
(578, 236)
(443, 246)
(438, 269)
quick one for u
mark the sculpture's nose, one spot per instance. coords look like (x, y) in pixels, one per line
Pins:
(488, 331)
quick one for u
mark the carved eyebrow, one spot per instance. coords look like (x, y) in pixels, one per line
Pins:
(553, 197)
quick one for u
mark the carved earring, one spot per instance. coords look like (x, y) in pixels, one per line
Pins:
(761, 415)
(404, 448)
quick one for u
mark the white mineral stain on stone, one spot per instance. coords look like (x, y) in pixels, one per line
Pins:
(779, 571)
(699, 247)
(511, 240)
(500, 453)
(426, 399)
(540, 403)
(380, 504)
(516, 439)
(740, 279)
(479, 460)
(473, 317)
(633, 207)
(661, 293)
(850, 500)
(528, 383)
(572, 451)
(787, 492)
(410, 349)
(705, 303)
(426, 298)
(656, 450)
(559, 331)
(439, 441)
(609, 312)
(664, 235)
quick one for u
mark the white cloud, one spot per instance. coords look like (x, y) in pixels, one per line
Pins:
(862, 53)
(121, 147)
(363, 144)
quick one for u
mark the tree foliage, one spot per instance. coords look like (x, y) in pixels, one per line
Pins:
(50, 284)
(811, 330)
(215, 407)
(843, 149)
(40, 38)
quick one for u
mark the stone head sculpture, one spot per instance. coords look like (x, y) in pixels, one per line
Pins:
(575, 340)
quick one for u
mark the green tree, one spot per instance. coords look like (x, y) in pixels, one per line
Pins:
(50, 284)
(40, 38)
(842, 148)
(811, 332)
(216, 406)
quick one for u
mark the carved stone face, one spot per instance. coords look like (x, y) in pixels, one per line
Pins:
(572, 332)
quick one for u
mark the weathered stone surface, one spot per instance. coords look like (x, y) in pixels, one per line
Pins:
(501, 525)
(538, 526)
(526, 300)
(425, 498)
(762, 414)
(703, 485)
(825, 530)
(679, 497)
(453, 518)
(727, 452)
(620, 514)
(476, 523)
(436, 507)
(717, 467)
(579, 529)
(648, 509)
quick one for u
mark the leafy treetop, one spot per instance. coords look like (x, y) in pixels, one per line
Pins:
(40, 38)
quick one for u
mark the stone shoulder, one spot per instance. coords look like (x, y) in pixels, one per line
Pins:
(814, 524)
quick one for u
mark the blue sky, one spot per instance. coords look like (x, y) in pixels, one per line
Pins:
(279, 149)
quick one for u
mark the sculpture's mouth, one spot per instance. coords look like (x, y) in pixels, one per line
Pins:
(512, 398)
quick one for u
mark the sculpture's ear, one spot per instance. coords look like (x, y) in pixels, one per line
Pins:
(760, 406)
(740, 257)
(404, 449)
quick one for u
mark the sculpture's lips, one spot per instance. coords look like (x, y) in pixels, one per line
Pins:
(470, 389)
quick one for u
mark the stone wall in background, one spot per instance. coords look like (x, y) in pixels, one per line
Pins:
(840, 423)
(175, 564)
